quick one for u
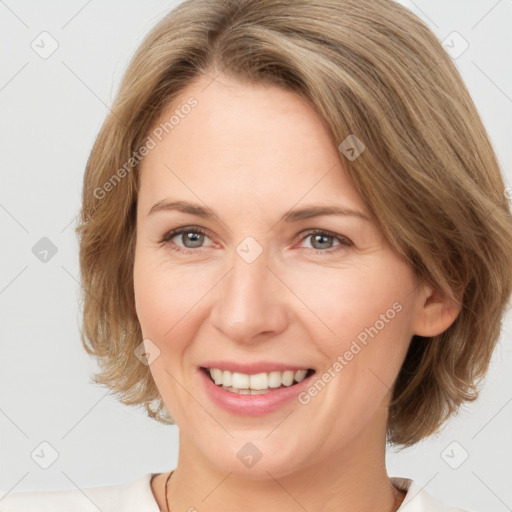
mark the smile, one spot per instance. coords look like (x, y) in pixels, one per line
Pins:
(258, 383)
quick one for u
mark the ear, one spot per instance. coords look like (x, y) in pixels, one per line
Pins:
(436, 312)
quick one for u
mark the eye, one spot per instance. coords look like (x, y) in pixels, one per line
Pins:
(191, 238)
(322, 241)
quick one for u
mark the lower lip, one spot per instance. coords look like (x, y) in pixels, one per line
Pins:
(252, 405)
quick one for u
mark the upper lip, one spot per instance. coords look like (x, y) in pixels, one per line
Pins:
(253, 368)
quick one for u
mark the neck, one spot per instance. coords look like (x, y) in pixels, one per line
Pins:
(354, 478)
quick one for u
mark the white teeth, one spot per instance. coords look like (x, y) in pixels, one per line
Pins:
(216, 375)
(246, 391)
(300, 375)
(274, 379)
(226, 378)
(287, 378)
(259, 382)
(239, 380)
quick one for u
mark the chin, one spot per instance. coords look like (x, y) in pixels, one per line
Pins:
(256, 459)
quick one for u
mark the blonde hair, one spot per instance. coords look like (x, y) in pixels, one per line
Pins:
(428, 174)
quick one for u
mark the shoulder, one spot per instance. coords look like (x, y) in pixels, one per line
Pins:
(135, 495)
(418, 500)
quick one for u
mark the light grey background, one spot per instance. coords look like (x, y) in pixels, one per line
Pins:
(52, 110)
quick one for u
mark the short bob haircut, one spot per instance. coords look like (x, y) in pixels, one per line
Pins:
(429, 175)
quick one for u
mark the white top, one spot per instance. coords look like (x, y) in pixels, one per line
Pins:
(137, 496)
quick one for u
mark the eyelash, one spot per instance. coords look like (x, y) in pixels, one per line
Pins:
(343, 241)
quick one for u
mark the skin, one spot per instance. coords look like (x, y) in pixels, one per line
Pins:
(252, 153)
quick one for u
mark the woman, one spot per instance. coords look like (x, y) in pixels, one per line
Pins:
(296, 245)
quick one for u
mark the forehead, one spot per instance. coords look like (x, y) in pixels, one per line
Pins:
(246, 143)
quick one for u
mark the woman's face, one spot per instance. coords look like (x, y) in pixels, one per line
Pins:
(257, 277)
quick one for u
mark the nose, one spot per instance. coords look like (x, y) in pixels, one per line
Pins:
(250, 302)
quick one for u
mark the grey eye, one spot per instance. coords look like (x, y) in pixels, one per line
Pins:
(321, 241)
(192, 239)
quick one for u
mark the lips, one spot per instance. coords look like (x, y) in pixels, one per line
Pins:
(252, 402)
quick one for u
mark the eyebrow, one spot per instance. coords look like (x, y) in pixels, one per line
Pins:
(291, 216)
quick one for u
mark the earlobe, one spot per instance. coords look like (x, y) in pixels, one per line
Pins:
(437, 313)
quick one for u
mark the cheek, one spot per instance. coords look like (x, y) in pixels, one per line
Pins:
(171, 304)
(365, 317)
(163, 295)
(164, 300)
(151, 300)
(348, 300)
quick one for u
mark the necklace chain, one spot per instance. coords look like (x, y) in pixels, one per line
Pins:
(396, 505)
(166, 498)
